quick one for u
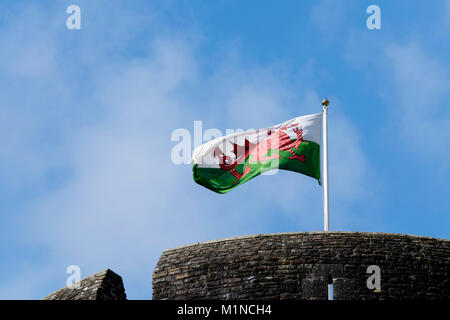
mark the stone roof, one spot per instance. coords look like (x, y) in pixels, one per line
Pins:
(104, 285)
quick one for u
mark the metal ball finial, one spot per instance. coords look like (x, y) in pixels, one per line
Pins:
(325, 102)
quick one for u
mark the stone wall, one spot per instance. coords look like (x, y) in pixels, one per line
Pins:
(105, 285)
(300, 266)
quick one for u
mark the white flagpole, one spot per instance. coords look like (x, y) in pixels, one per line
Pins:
(326, 223)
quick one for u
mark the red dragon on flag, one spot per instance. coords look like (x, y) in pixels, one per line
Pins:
(287, 138)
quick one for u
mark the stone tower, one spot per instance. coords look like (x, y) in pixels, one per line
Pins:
(302, 265)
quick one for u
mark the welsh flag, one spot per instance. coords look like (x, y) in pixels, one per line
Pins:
(226, 162)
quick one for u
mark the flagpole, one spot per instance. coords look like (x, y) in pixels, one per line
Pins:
(326, 223)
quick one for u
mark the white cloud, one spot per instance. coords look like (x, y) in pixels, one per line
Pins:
(124, 201)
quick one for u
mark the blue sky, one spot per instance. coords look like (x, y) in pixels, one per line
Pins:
(86, 118)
